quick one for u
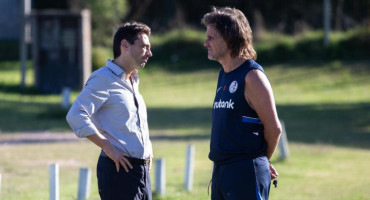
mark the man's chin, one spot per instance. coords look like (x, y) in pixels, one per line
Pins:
(142, 65)
(211, 58)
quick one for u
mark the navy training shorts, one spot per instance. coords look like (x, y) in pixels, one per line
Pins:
(247, 179)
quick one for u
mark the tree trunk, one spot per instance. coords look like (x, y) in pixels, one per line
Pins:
(338, 18)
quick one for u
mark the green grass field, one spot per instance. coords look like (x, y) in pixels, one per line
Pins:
(325, 106)
(312, 172)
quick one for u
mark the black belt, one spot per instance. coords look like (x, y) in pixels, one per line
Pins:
(132, 160)
(138, 161)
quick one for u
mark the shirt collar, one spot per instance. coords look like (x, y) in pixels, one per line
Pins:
(117, 70)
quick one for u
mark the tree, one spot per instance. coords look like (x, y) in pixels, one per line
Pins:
(106, 16)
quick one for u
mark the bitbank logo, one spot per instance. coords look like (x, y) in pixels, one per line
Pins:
(223, 104)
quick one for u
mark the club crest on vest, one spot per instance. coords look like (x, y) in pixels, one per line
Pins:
(233, 87)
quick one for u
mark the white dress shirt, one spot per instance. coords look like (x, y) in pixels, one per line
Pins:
(107, 105)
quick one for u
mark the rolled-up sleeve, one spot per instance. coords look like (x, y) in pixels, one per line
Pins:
(88, 102)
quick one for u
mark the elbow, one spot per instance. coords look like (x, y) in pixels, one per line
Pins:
(276, 130)
(72, 120)
(69, 117)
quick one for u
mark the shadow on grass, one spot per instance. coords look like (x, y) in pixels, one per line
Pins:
(335, 124)
(179, 118)
(200, 136)
(24, 116)
(16, 88)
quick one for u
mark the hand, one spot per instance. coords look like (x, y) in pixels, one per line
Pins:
(273, 173)
(119, 158)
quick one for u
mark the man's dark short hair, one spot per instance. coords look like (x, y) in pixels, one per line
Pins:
(128, 31)
(234, 28)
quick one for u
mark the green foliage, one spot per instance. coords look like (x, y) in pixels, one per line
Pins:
(105, 17)
(349, 45)
(100, 56)
(291, 16)
(180, 49)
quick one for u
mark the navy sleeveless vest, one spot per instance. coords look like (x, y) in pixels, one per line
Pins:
(237, 133)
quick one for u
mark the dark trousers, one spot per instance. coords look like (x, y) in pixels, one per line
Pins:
(132, 185)
(247, 179)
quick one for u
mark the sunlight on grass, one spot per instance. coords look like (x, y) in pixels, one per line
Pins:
(335, 82)
(311, 172)
(324, 106)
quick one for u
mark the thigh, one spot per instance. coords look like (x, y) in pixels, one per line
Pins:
(215, 190)
(105, 177)
(120, 185)
(263, 178)
(238, 181)
(148, 188)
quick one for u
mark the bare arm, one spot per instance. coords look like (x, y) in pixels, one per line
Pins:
(117, 156)
(258, 93)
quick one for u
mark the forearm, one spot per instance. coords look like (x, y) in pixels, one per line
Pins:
(118, 157)
(271, 146)
(272, 140)
(101, 141)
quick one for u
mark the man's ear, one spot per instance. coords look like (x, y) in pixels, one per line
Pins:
(124, 44)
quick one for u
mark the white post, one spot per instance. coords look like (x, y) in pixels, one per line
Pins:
(283, 143)
(160, 176)
(54, 181)
(66, 93)
(0, 186)
(84, 184)
(25, 38)
(326, 14)
(189, 169)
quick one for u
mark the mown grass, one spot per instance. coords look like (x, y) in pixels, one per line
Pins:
(312, 171)
(325, 106)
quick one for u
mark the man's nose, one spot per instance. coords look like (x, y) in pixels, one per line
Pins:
(206, 43)
(149, 53)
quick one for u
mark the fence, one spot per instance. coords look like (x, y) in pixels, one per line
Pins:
(83, 191)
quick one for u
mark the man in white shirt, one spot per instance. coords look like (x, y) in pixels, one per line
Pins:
(111, 113)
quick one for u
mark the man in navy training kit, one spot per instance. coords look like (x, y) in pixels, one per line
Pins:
(245, 125)
(111, 113)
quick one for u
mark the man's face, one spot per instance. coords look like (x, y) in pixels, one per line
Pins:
(140, 50)
(216, 45)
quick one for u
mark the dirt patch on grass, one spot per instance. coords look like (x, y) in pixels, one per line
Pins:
(37, 137)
